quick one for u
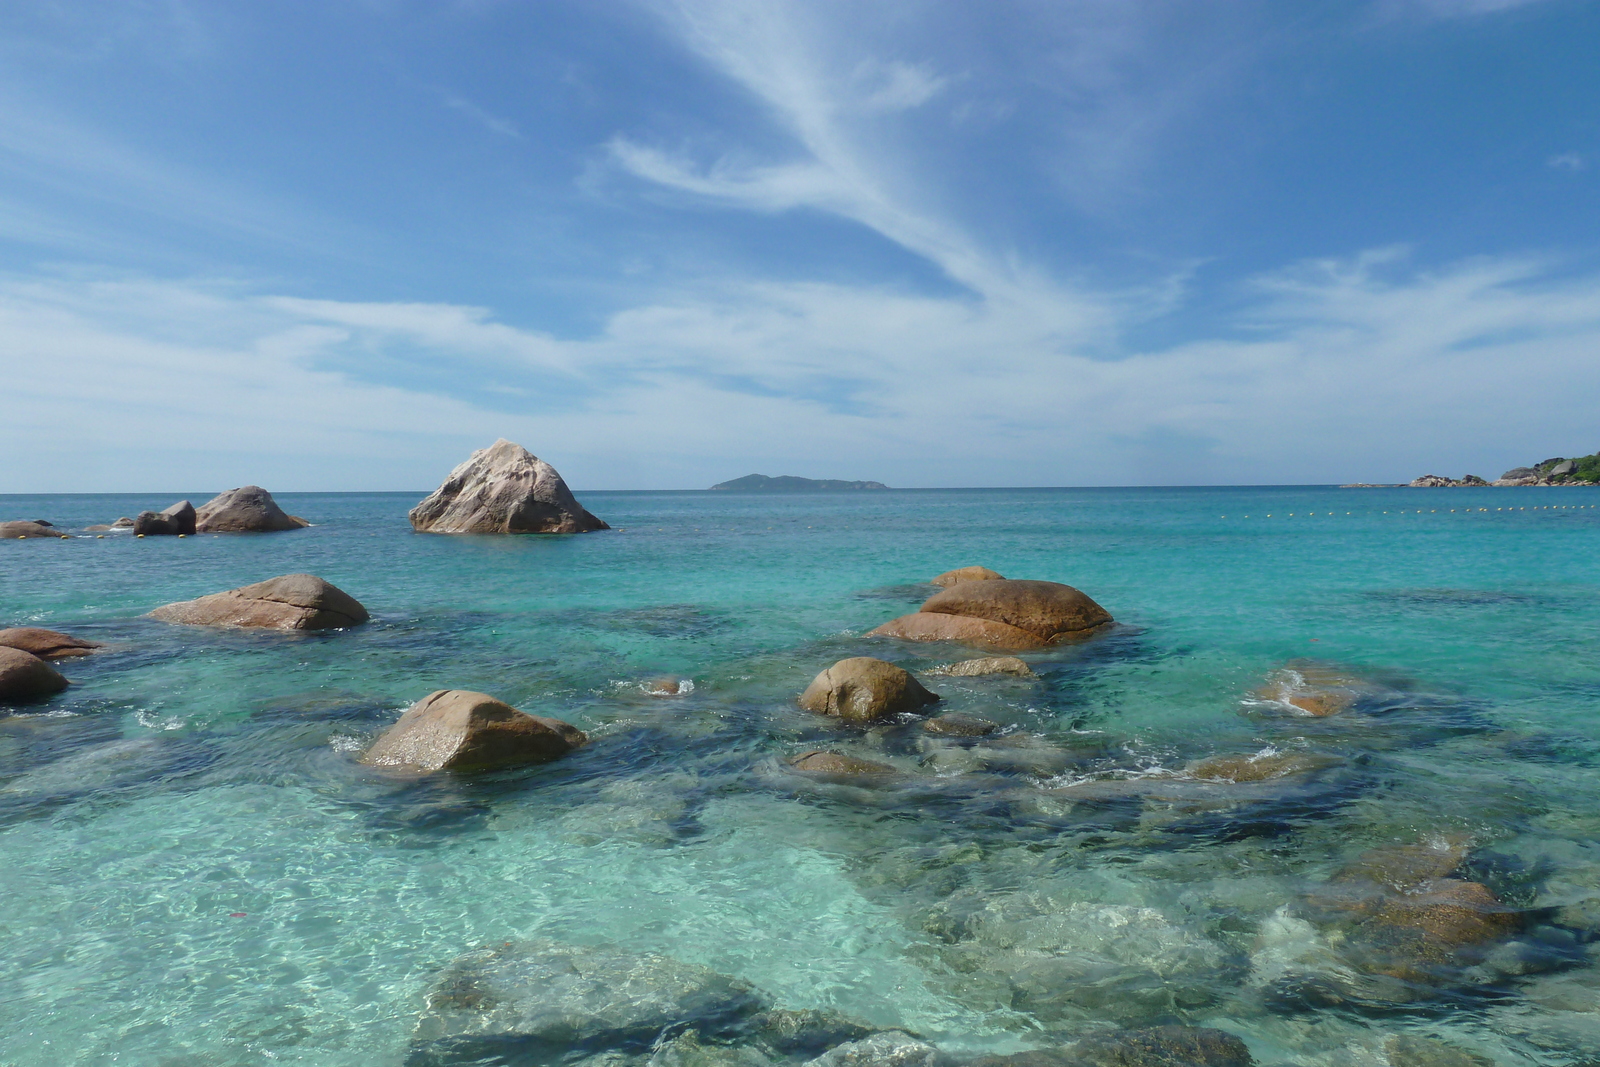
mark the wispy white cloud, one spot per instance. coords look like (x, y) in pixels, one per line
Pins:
(1338, 369)
(492, 123)
(1567, 161)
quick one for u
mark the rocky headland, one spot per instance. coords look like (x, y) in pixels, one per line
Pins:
(1581, 470)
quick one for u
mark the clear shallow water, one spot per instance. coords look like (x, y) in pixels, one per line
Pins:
(197, 871)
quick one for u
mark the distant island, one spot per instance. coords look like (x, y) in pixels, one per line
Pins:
(1580, 470)
(788, 483)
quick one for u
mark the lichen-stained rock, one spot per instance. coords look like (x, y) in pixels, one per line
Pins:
(863, 689)
(838, 764)
(981, 633)
(46, 644)
(248, 509)
(503, 489)
(544, 1002)
(459, 730)
(1048, 610)
(288, 602)
(967, 574)
(24, 676)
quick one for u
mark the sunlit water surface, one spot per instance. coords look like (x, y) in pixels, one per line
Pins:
(196, 869)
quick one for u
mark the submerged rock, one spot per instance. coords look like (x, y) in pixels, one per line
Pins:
(544, 1002)
(975, 668)
(46, 644)
(1261, 767)
(179, 518)
(863, 689)
(288, 602)
(957, 725)
(967, 574)
(1304, 687)
(806, 1031)
(1410, 1050)
(888, 1048)
(248, 509)
(24, 676)
(982, 633)
(11, 531)
(839, 764)
(503, 489)
(1163, 1046)
(458, 730)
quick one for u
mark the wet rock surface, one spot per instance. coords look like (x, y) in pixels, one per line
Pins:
(539, 1002)
(977, 668)
(24, 676)
(503, 489)
(1048, 610)
(980, 633)
(839, 764)
(289, 602)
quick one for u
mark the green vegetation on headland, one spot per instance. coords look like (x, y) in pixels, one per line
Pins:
(1582, 470)
(788, 483)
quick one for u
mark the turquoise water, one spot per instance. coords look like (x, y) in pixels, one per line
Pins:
(197, 870)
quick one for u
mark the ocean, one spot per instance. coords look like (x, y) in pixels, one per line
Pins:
(196, 870)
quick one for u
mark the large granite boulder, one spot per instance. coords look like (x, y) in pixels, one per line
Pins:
(980, 633)
(24, 676)
(177, 519)
(1433, 481)
(10, 531)
(544, 1002)
(288, 602)
(459, 730)
(248, 509)
(863, 689)
(46, 644)
(1518, 476)
(503, 489)
(967, 574)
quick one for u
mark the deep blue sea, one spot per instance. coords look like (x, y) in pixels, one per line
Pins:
(195, 869)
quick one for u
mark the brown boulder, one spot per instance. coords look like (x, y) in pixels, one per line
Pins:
(248, 509)
(177, 519)
(24, 676)
(863, 689)
(1316, 689)
(289, 602)
(10, 531)
(1048, 610)
(967, 574)
(837, 763)
(503, 489)
(1406, 868)
(458, 730)
(976, 668)
(926, 626)
(46, 644)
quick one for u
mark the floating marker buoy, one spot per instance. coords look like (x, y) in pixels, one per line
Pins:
(183, 535)
(64, 537)
(138, 535)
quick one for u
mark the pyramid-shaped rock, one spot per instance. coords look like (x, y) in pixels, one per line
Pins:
(503, 489)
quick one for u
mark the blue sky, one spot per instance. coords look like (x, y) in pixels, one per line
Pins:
(338, 245)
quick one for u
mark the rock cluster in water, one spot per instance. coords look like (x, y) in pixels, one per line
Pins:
(503, 489)
(177, 519)
(1584, 470)
(248, 509)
